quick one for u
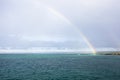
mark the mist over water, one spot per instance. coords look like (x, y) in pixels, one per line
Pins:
(59, 67)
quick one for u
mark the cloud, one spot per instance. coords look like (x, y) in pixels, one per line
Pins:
(42, 38)
(54, 20)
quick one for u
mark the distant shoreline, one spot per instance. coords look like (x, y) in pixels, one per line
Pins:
(59, 52)
(109, 52)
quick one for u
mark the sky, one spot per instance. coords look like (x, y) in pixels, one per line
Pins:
(59, 23)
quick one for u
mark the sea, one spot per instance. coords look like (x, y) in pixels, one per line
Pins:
(59, 67)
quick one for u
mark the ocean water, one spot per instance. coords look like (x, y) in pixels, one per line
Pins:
(59, 67)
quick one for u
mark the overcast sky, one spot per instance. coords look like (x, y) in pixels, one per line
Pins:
(36, 23)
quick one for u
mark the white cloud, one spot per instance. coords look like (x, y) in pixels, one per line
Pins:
(53, 19)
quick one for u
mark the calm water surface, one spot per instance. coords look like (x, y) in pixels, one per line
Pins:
(59, 67)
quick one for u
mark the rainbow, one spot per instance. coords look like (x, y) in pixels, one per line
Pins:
(62, 17)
